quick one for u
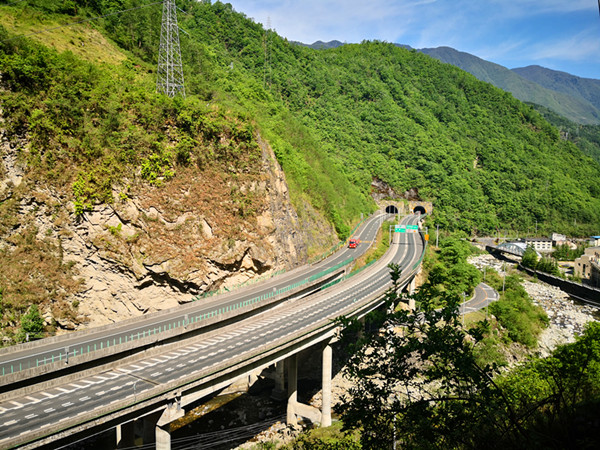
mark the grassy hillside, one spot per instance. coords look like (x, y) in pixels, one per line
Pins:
(336, 119)
(566, 102)
(116, 93)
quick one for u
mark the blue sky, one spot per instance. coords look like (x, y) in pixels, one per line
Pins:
(557, 34)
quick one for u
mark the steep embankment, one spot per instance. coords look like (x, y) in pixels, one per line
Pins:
(107, 183)
(115, 201)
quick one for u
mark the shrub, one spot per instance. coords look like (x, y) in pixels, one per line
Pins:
(522, 319)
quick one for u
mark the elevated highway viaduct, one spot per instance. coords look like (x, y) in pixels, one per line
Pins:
(162, 381)
(48, 358)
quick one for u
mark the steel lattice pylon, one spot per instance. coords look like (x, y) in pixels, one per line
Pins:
(170, 71)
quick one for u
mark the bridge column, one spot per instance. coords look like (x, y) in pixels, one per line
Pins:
(412, 286)
(411, 290)
(162, 430)
(163, 438)
(326, 383)
(279, 389)
(292, 362)
(125, 435)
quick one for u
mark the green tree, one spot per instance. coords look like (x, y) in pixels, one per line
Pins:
(417, 381)
(529, 258)
(32, 325)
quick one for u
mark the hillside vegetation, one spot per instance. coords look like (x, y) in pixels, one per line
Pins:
(339, 118)
(81, 115)
(586, 137)
(578, 105)
(485, 159)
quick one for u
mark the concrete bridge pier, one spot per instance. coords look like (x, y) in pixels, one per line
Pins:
(292, 363)
(326, 385)
(294, 408)
(157, 426)
(412, 286)
(125, 434)
(172, 412)
(278, 392)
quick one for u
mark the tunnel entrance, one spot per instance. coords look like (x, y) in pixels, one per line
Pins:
(391, 209)
(419, 210)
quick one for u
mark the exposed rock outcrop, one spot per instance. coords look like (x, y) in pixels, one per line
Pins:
(153, 248)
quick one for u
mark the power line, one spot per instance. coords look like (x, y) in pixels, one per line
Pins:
(114, 13)
(214, 438)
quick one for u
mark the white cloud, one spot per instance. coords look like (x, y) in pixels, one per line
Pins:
(510, 32)
(352, 20)
(534, 7)
(582, 47)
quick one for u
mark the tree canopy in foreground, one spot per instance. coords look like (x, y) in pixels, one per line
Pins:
(418, 382)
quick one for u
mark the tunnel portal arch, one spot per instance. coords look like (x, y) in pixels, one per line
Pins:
(391, 209)
(420, 209)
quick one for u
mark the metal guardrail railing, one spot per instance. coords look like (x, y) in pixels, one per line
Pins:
(64, 353)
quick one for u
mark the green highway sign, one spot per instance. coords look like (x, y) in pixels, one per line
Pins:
(400, 229)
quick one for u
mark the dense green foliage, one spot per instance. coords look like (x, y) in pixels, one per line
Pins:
(381, 111)
(545, 264)
(557, 398)
(448, 270)
(331, 438)
(338, 118)
(446, 398)
(32, 325)
(530, 258)
(586, 137)
(523, 320)
(564, 252)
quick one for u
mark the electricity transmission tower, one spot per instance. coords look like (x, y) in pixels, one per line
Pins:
(170, 71)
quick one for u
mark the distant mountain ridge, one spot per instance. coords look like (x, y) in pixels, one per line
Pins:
(585, 88)
(577, 99)
(320, 45)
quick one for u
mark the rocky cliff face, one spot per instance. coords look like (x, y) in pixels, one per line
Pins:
(153, 247)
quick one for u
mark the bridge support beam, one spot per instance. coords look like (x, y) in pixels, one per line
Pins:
(162, 429)
(294, 408)
(125, 435)
(326, 383)
(412, 286)
(292, 362)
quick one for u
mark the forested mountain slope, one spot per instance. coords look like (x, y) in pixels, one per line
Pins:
(586, 89)
(484, 158)
(531, 84)
(95, 161)
(586, 137)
